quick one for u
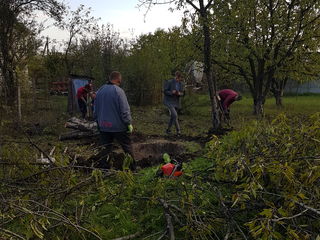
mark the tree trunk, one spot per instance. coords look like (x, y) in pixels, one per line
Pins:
(19, 103)
(258, 105)
(277, 89)
(8, 20)
(216, 123)
(262, 84)
(66, 55)
(9, 81)
(34, 94)
(278, 97)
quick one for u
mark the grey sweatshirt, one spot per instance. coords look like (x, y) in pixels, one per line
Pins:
(171, 100)
(111, 109)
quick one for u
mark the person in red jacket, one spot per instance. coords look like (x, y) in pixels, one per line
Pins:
(227, 97)
(82, 94)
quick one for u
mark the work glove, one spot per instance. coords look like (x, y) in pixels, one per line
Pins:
(130, 128)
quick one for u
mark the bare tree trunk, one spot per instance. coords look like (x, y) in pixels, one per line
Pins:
(278, 98)
(34, 94)
(216, 123)
(66, 55)
(277, 89)
(71, 98)
(19, 103)
(259, 97)
(8, 19)
(262, 84)
(9, 81)
(258, 105)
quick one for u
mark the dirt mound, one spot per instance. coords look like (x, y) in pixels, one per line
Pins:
(148, 153)
(151, 152)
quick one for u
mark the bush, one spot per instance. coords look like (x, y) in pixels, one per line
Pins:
(275, 171)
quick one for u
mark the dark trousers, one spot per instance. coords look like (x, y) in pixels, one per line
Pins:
(123, 138)
(83, 107)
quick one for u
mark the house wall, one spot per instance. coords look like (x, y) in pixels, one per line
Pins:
(309, 87)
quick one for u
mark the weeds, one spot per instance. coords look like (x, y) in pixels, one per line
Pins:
(261, 182)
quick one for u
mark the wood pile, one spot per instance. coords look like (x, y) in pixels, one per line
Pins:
(81, 129)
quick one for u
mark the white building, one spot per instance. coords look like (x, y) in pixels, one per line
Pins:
(300, 88)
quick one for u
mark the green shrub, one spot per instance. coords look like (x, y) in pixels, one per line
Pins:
(275, 171)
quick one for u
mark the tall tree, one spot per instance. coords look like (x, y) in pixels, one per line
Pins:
(112, 45)
(203, 10)
(255, 39)
(12, 14)
(77, 23)
(302, 67)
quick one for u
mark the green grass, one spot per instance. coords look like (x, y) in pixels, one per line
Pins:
(117, 207)
(195, 118)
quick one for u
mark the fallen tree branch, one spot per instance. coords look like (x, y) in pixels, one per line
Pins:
(289, 218)
(61, 168)
(152, 235)
(296, 202)
(308, 207)
(6, 231)
(38, 148)
(170, 228)
(129, 237)
(77, 135)
(229, 215)
(163, 235)
(54, 216)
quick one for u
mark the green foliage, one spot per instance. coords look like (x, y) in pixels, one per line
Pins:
(263, 42)
(275, 172)
(215, 195)
(166, 158)
(18, 37)
(152, 60)
(128, 160)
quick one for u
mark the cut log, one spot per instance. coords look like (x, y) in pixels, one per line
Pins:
(74, 135)
(83, 129)
(81, 124)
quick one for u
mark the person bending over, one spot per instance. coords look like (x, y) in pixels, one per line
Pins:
(82, 94)
(173, 90)
(227, 97)
(112, 113)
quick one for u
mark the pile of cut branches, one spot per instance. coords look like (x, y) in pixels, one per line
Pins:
(275, 171)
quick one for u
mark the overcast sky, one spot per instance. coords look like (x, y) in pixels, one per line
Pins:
(124, 16)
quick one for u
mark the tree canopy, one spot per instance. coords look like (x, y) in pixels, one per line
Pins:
(258, 39)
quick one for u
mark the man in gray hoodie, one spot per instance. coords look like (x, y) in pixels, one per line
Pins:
(173, 90)
(112, 113)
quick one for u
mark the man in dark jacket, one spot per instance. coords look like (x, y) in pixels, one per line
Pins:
(112, 113)
(173, 90)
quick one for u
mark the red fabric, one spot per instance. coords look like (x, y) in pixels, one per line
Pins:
(168, 168)
(82, 93)
(177, 174)
(227, 97)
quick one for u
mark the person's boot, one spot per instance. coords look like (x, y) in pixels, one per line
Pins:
(168, 132)
(179, 133)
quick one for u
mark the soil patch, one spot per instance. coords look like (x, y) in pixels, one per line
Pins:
(147, 153)
(151, 152)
